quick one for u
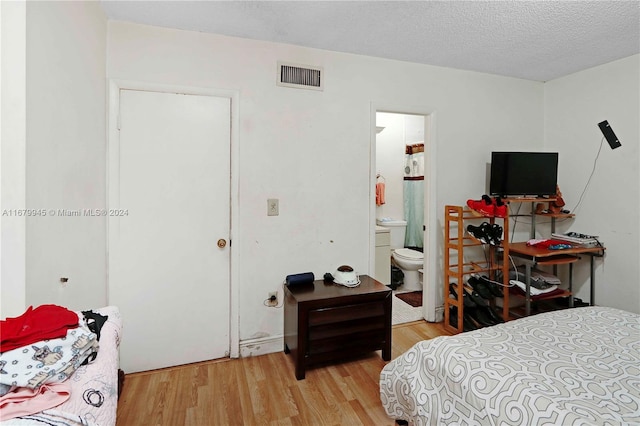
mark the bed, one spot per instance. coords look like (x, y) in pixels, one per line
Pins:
(573, 366)
(94, 387)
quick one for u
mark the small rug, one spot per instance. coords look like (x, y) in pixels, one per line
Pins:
(402, 313)
(413, 298)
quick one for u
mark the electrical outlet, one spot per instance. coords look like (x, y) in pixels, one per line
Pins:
(273, 298)
(273, 207)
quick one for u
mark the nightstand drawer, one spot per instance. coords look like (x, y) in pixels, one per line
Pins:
(345, 313)
(353, 327)
(344, 345)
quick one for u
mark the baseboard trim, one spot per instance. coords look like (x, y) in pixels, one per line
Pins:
(261, 346)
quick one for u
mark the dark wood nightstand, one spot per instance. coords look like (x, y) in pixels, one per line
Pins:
(325, 321)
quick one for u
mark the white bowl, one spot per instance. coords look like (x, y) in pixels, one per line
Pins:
(348, 278)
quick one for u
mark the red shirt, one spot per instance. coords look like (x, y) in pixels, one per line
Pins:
(43, 322)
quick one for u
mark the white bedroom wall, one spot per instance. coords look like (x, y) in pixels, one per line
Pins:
(311, 149)
(574, 105)
(65, 161)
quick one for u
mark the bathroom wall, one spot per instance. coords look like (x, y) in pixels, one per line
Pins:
(399, 130)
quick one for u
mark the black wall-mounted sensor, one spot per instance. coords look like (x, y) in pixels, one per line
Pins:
(611, 137)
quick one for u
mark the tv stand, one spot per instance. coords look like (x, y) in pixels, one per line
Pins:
(534, 256)
(527, 198)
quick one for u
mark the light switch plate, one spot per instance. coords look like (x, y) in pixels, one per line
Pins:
(273, 207)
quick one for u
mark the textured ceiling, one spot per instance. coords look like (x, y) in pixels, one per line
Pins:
(534, 40)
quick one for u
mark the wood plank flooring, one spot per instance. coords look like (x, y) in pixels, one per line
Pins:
(263, 390)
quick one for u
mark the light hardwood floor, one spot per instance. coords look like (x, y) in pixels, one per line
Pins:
(263, 390)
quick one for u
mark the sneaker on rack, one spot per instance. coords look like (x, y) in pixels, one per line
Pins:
(495, 234)
(483, 207)
(500, 208)
(480, 233)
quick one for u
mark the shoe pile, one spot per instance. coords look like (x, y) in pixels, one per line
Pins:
(477, 312)
(485, 287)
(488, 207)
(486, 233)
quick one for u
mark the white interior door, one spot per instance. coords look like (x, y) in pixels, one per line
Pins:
(170, 193)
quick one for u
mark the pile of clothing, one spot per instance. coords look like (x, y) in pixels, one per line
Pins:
(39, 351)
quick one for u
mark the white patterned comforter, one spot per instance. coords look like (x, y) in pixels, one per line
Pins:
(574, 366)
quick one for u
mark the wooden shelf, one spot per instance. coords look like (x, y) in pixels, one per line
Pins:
(563, 259)
(556, 215)
(538, 297)
(541, 253)
(538, 307)
(528, 199)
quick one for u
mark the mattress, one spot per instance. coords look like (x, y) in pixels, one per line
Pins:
(574, 366)
(93, 398)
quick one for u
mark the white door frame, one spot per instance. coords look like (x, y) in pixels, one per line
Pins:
(112, 194)
(430, 294)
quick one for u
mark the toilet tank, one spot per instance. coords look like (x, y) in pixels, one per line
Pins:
(397, 229)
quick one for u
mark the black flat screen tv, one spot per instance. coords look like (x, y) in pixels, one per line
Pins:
(515, 174)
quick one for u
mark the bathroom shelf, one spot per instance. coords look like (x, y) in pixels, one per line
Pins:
(456, 269)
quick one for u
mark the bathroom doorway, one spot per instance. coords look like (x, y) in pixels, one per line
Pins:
(402, 154)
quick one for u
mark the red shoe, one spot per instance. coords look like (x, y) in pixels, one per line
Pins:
(500, 208)
(483, 207)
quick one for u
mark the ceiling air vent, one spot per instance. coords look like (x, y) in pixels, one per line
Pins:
(300, 76)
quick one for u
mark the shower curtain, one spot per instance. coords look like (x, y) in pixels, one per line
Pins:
(414, 195)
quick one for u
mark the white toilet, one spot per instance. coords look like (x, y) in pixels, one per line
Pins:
(409, 261)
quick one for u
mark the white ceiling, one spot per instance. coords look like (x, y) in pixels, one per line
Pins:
(534, 40)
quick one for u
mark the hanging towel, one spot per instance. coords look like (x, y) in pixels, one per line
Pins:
(380, 194)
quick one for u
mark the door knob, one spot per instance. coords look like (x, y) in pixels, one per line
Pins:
(222, 243)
